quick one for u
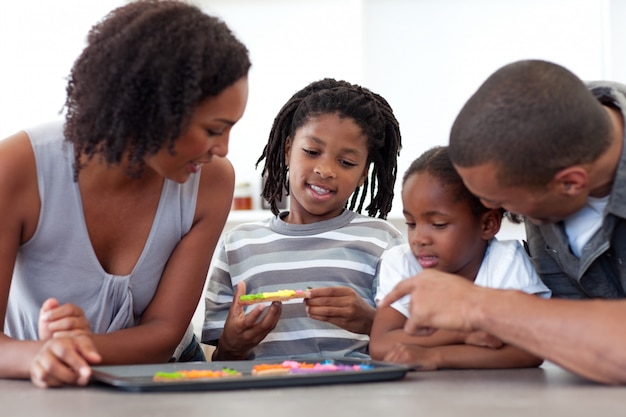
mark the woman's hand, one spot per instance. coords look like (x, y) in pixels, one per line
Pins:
(64, 361)
(65, 320)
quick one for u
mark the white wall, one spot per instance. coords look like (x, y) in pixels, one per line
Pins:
(39, 41)
(441, 51)
(425, 56)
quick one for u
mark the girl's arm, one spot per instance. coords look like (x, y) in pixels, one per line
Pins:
(461, 357)
(388, 331)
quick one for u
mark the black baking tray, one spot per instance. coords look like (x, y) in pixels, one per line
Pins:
(138, 378)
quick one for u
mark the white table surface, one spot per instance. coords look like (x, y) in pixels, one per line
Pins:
(545, 391)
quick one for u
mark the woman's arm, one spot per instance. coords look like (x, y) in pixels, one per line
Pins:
(63, 361)
(19, 211)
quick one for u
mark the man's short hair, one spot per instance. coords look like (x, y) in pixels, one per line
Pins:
(531, 119)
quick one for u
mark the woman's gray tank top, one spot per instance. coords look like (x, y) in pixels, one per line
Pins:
(59, 260)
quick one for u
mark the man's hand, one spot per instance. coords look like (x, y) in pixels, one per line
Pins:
(438, 301)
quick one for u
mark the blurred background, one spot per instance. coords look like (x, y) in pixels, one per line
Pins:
(426, 57)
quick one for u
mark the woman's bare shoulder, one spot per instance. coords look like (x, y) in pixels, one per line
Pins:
(217, 184)
(17, 161)
(218, 178)
(18, 183)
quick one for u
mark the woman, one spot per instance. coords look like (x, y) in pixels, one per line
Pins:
(109, 220)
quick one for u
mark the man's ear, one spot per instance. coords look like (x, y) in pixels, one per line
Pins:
(571, 180)
(490, 223)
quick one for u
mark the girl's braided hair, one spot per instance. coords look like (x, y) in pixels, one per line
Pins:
(370, 112)
(146, 67)
(436, 162)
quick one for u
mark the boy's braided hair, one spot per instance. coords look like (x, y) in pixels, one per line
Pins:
(370, 112)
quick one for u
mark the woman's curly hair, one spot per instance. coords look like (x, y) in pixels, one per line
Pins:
(370, 112)
(146, 67)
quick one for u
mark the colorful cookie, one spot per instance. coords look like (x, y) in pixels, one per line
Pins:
(184, 375)
(269, 369)
(266, 297)
(294, 367)
(288, 367)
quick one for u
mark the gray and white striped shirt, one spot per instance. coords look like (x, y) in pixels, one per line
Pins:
(272, 255)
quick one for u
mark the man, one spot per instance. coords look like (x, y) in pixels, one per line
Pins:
(537, 141)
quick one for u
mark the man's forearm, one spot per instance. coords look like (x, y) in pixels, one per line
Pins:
(586, 337)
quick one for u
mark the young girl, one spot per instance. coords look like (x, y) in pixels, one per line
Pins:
(331, 144)
(108, 221)
(451, 231)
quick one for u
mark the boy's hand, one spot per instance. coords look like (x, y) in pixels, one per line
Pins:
(341, 306)
(243, 332)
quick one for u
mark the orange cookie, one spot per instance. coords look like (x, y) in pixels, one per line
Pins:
(270, 369)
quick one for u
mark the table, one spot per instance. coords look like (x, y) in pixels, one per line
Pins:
(545, 391)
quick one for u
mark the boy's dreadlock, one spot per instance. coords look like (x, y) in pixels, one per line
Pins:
(370, 112)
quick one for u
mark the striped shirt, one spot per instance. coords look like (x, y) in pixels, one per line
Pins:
(273, 255)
